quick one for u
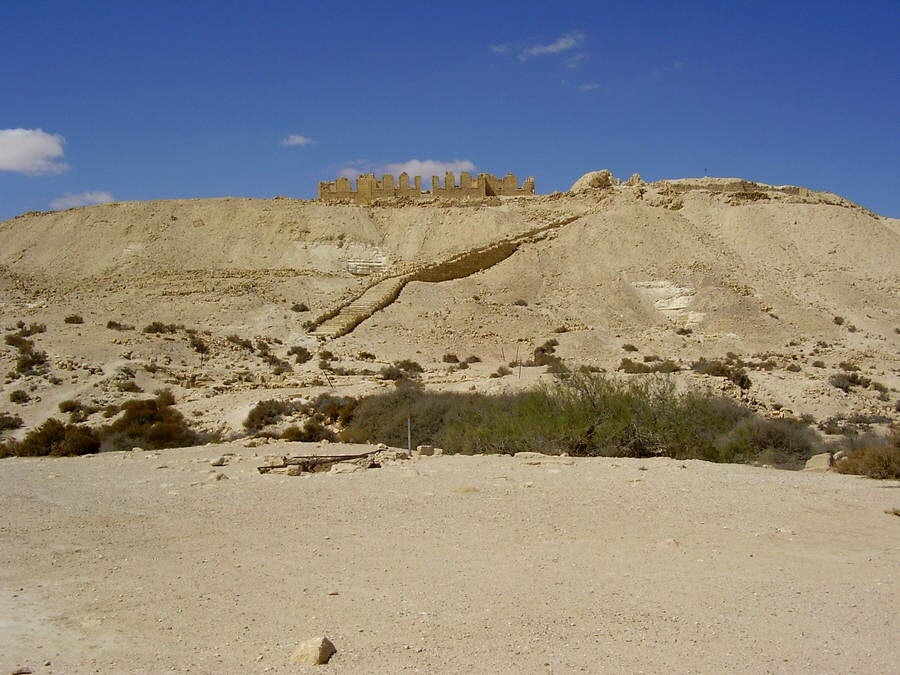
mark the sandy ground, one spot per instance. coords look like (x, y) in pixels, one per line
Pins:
(139, 563)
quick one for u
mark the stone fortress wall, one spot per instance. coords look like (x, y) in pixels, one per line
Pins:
(369, 188)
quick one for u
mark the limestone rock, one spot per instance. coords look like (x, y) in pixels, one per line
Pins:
(820, 462)
(314, 652)
(594, 180)
(346, 467)
(425, 450)
(221, 461)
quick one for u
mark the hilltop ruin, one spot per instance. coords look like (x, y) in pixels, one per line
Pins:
(369, 188)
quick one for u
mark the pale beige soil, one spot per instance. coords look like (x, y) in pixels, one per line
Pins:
(135, 562)
(138, 563)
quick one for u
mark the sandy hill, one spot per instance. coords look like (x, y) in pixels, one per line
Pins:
(174, 560)
(679, 269)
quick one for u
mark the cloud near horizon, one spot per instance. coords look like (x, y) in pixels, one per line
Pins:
(70, 200)
(31, 151)
(297, 139)
(562, 44)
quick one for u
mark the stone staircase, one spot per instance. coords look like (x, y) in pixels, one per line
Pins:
(374, 298)
(382, 293)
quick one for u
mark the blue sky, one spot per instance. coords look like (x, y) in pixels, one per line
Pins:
(138, 100)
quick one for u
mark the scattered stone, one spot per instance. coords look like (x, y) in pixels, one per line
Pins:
(24, 670)
(668, 543)
(314, 652)
(345, 467)
(425, 450)
(820, 462)
(594, 180)
(293, 470)
(221, 461)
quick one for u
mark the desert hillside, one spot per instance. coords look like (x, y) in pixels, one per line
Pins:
(792, 283)
(242, 329)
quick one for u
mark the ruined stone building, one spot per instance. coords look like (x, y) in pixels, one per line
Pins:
(369, 188)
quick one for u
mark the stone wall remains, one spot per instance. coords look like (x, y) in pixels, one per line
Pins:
(369, 188)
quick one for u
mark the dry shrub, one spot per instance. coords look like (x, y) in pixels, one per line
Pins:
(880, 461)
(9, 422)
(267, 412)
(55, 439)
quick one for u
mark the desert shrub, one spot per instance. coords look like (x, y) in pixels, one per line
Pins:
(365, 356)
(301, 354)
(334, 409)
(198, 344)
(473, 359)
(786, 441)
(667, 366)
(838, 320)
(649, 358)
(847, 382)
(326, 355)
(243, 343)
(19, 342)
(9, 422)
(160, 327)
(267, 412)
(299, 307)
(450, 358)
(55, 439)
(69, 405)
(794, 368)
(30, 362)
(502, 371)
(410, 367)
(717, 368)
(164, 397)
(151, 424)
(583, 414)
(278, 366)
(878, 460)
(851, 425)
(129, 386)
(683, 330)
(74, 318)
(19, 396)
(462, 365)
(27, 331)
(628, 347)
(391, 373)
(311, 432)
(818, 364)
(520, 303)
(115, 325)
(849, 367)
(561, 329)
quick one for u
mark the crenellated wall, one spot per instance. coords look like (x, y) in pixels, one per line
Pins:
(369, 188)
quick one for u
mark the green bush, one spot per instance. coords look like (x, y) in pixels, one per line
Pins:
(313, 431)
(654, 366)
(583, 414)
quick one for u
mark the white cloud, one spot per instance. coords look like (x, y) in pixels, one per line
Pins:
(562, 44)
(588, 86)
(503, 48)
(31, 151)
(297, 139)
(429, 167)
(575, 61)
(70, 200)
